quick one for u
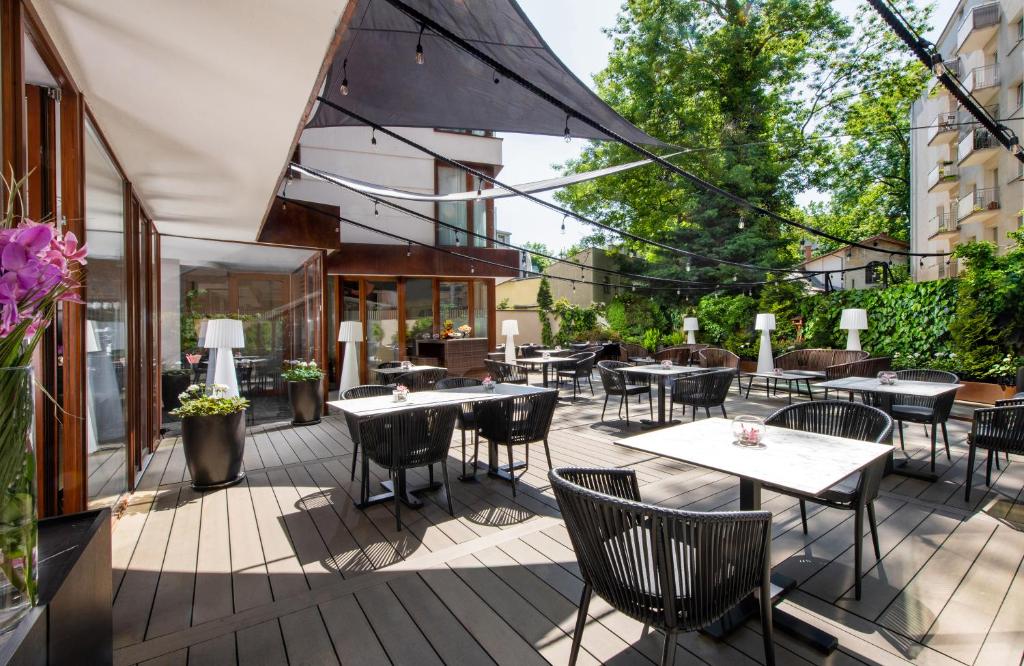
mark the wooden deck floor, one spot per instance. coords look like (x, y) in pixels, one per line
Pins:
(284, 569)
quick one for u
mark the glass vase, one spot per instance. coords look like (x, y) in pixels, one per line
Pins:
(18, 528)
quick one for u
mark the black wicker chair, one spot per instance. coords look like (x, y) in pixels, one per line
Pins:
(362, 391)
(932, 412)
(997, 429)
(578, 367)
(615, 383)
(716, 357)
(520, 420)
(467, 418)
(421, 380)
(856, 492)
(707, 389)
(507, 373)
(671, 569)
(398, 441)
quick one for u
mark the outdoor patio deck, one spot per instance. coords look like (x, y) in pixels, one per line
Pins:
(284, 569)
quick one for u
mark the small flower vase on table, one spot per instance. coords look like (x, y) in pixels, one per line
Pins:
(488, 383)
(401, 393)
(666, 364)
(749, 431)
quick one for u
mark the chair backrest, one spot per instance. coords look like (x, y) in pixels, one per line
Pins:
(841, 356)
(529, 351)
(456, 383)
(678, 355)
(630, 350)
(506, 373)
(942, 404)
(1000, 428)
(613, 381)
(928, 375)
(383, 365)
(1011, 402)
(410, 438)
(716, 357)
(840, 418)
(670, 568)
(584, 363)
(706, 389)
(518, 420)
(868, 367)
(421, 380)
(366, 391)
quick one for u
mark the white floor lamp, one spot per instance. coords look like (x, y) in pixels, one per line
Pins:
(351, 333)
(854, 321)
(510, 328)
(766, 324)
(691, 326)
(224, 335)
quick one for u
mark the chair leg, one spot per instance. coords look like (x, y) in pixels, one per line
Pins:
(874, 529)
(945, 440)
(463, 453)
(625, 401)
(512, 472)
(547, 452)
(765, 599)
(858, 544)
(934, 442)
(724, 415)
(650, 404)
(591, 382)
(604, 407)
(447, 489)
(672, 409)
(899, 427)
(971, 453)
(581, 623)
(803, 515)
(988, 468)
(430, 475)
(668, 654)
(707, 412)
(694, 416)
(355, 455)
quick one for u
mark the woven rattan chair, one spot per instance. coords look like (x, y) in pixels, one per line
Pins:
(716, 357)
(467, 418)
(583, 368)
(399, 441)
(857, 492)
(707, 389)
(421, 380)
(507, 373)
(678, 355)
(363, 391)
(521, 420)
(615, 383)
(927, 411)
(996, 429)
(1017, 399)
(630, 350)
(671, 569)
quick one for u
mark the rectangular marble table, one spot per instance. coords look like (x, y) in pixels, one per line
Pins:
(799, 461)
(544, 363)
(664, 377)
(789, 377)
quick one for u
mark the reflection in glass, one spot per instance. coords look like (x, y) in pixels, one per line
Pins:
(106, 317)
(479, 216)
(381, 323)
(454, 303)
(451, 180)
(419, 312)
(481, 309)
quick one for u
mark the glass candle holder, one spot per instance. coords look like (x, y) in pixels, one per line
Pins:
(749, 430)
(887, 378)
(666, 364)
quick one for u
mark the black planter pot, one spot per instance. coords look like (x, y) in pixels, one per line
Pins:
(306, 402)
(171, 386)
(213, 449)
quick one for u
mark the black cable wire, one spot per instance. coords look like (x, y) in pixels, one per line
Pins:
(590, 122)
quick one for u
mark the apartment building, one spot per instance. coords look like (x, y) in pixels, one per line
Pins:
(966, 186)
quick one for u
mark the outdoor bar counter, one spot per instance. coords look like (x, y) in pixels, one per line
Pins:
(457, 354)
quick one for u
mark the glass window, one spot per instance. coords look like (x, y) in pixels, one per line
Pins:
(454, 301)
(106, 325)
(419, 312)
(451, 180)
(481, 309)
(479, 217)
(381, 322)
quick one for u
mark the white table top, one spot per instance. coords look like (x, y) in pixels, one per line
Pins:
(384, 404)
(800, 461)
(902, 386)
(402, 371)
(791, 376)
(656, 369)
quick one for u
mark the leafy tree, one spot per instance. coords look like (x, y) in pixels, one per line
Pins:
(544, 303)
(541, 263)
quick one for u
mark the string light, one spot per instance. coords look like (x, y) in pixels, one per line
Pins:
(456, 238)
(574, 287)
(563, 224)
(687, 265)
(496, 79)
(408, 252)
(373, 137)
(568, 134)
(677, 292)
(735, 278)
(634, 287)
(741, 223)
(419, 45)
(472, 268)
(344, 77)
(375, 211)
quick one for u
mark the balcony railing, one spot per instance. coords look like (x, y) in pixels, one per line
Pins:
(943, 223)
(980, 78)
(977, 26)
(945, 174)
(943, 123)
(977, 202)
(976, 139)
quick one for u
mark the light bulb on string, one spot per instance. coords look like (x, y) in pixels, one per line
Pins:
(376, 212)
(408, 252)
(735, 278)
(634, 287)
(677, 292)
(419, 45)
(496, 79)
(563, 224)
(574, 287)
(568, 134)
(456, 238)
(472, 269)
(741, 223)
(687, 265)
(344, 77)
(373, 137)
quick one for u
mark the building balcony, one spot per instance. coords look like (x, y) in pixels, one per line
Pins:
(983, 83)
(978, 27)
(943, 178)
(977, 147)
(943, 128)
(978, 206)
(944, 226)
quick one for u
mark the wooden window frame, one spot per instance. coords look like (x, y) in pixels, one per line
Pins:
(470, 205)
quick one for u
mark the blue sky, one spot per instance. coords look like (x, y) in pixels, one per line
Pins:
(573, 30)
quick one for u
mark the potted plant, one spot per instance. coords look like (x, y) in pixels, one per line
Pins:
(304, 381)
(173, 382)
(213, 435)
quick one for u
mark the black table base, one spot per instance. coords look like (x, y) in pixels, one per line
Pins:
(407, 493)
(648, 424)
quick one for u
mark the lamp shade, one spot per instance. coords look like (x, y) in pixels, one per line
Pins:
(350, 331)
(224, 333)
(510, 327)
(854, 319)
(764, 322)
(690, 324)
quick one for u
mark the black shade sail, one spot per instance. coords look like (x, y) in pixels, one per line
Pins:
(452, 89)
